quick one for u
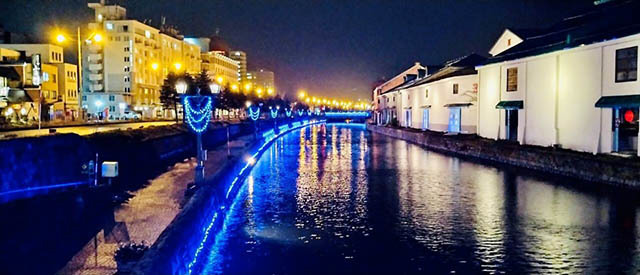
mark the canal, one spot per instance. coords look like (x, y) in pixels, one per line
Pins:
(338, 199)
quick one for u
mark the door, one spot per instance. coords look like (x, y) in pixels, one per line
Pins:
(425, 119)
(454, 120)
(512, 125)
(625, 130)
(407, 118)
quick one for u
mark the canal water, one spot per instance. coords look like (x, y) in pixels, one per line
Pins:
(338, 199)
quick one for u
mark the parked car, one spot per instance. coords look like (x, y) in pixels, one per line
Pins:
(131, 115)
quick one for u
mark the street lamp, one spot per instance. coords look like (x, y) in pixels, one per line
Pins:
(181, 87)
(215, 88)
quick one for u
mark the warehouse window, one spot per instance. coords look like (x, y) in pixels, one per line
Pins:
(512, 79)
(627, 64)
(455, 88)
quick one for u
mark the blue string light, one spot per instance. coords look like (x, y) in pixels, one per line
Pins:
(274, 114)
(288, 112)
(254, 115)
(309, 112)
(300, 112)
(197, 119)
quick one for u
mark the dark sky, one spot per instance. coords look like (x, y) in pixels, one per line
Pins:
(337, 48)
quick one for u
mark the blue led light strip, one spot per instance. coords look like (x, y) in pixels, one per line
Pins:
(347, 114)
(239, 177)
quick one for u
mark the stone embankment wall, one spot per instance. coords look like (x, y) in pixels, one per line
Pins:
(30, 165)
(600, 168)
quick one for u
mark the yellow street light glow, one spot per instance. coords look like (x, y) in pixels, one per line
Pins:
(247, 86)
(60, 38)
(97, 37)
(154, 66)
(270, 91)
(307, 100)
(234, 87)
(177, 66)
(220, 79)
(302, 94)
(259, 91)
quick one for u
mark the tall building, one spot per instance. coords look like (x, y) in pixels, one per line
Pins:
(262, 79)
(59, 80)
(220, 68)
(241, 58)
(124, 70)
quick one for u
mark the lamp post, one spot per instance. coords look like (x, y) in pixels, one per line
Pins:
(197, 118)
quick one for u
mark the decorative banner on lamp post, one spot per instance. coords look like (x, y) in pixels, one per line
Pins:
(198, 112)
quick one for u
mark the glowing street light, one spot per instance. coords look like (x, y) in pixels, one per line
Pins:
(220, 79)
(155, 66)
(60, 38)
(214, 88)
(248, 103)
(270, 91)
(97, 37)
(302, 94)
(234, 87)
(247, 87)
(181, 87)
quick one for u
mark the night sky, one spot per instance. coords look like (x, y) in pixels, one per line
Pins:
(336, 48)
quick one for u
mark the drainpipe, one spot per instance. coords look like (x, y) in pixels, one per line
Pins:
(556, 134)
(599, 139)
(524, 107)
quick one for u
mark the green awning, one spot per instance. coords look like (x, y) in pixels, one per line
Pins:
(510, 104)
(619, 101)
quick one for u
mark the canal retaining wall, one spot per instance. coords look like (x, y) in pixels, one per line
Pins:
(38, 165)
(608, 169)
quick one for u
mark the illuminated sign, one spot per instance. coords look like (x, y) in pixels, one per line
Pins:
(37, 68)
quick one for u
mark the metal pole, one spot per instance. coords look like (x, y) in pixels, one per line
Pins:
(79, 82)
(228, 146)
(200, 160)
(95, 172)
(39, 109)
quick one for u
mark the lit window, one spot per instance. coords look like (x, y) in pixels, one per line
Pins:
(627, 64)
(109, 26)
(147, 34)
(512, 79)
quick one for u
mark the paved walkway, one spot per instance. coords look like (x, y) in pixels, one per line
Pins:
(148, 213)
(83, 130)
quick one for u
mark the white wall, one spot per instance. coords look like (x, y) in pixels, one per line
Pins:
(488, 97)
(441, 93)
(579, 87)
(539, 111)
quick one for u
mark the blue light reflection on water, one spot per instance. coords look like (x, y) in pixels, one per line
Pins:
(337, 199)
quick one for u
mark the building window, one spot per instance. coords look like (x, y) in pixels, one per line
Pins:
(125, 28)
(627, 64)
(125, 38)
(54, 78)
(126, 79)
(109, 26)
(127, 59)
(426, 93)
(112, 98)
(127, 89)
(512, 79)
(127, 49)
(455, 88)
(84, 98)
(126, 69)
(112, 108)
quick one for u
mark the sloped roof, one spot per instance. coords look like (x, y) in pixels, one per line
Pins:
(464, 65)
(604, 22)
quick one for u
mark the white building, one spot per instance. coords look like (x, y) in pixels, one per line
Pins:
(125, 68)
(384, 106)
(444, 101)
(573, 85)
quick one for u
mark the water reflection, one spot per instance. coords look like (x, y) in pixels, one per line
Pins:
(338, 199)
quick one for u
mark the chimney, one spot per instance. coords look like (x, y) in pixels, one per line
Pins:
(422, 73)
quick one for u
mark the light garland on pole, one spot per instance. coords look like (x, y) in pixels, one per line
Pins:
(288, 112)
(254, 115)
(300, 112)
(274, 114)
(198, 119)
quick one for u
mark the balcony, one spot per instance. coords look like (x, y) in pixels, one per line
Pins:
(95, 67)
(96, 87)
(94, 57)
(95, 77)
